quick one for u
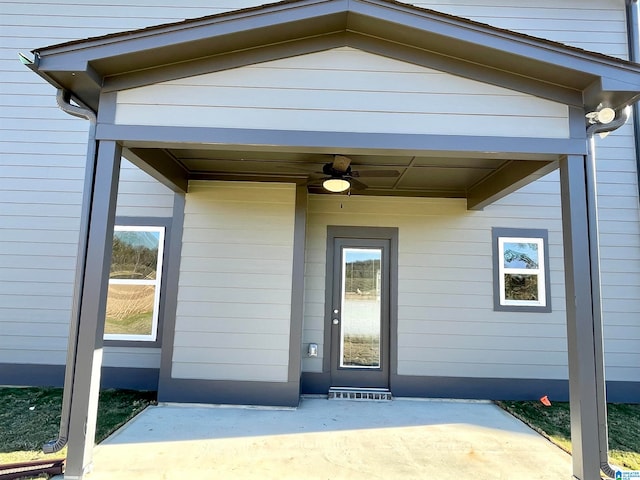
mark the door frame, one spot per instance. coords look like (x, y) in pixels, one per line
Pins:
(363, 233)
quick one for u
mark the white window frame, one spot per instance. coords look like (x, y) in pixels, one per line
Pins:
(540, 272)
(157, 282)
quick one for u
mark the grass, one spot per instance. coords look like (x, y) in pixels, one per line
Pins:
(30, 417)
(361, 350)
(134, 324)
(554, 423)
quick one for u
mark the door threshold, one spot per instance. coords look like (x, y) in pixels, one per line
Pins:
(357, 393)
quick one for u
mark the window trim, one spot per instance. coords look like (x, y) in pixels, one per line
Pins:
(521, 235)
(141, 224)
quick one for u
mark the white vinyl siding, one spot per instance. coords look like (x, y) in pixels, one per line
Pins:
(343, 90)
(234, 297)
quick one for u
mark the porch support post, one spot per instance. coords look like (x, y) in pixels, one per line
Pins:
(297, 286)
(86, 378)
(583, 354)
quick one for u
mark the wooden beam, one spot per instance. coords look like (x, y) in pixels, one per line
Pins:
(160, 165)
(250, 177)
(507, 179)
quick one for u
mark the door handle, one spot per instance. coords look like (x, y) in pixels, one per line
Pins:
(335, 321)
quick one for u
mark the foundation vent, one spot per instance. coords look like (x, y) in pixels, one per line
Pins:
(344, 393)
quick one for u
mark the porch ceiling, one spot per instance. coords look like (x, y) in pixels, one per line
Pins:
(475, 176)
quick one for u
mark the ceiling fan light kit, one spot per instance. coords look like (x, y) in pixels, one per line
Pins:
(336, 185)
(339, 177)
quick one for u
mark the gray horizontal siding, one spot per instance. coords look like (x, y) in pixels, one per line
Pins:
(126, 357)
(234, 298)
(43, 354)
(42, 160)
(342, 89)
(49, 147)
(620, 253)
(141, 196)
(45, 375)
(597, 25)
(446, 323)
(445, 282)
(252, 373)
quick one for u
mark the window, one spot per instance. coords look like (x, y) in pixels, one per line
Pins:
(133, 299)
(521, 280)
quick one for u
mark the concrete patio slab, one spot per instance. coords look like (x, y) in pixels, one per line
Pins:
(330, 439)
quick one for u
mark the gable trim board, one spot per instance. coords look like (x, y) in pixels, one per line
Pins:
(286, 21)
(349, 142)
(379, 47)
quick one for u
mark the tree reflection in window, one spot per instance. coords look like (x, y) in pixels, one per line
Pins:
(134, 283)
(521, 271)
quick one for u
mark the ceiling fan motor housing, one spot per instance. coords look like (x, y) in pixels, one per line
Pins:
(329, 169)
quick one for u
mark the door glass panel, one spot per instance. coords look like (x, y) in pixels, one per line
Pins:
(361, 308)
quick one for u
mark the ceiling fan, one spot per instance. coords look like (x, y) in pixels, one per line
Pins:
(339, 176)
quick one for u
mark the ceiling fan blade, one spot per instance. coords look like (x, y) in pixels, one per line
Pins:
(375, 173)
(317, 175)
(356, 185)
(315, 181)
(315, 188)
(341, 163)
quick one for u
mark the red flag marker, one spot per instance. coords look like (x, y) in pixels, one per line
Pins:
(545, 401)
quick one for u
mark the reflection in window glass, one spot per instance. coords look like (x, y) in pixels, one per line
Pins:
(520, 255)
(130, 309)
(361, 308)
(135, 254)
(522, 271)
(521, 287)
(134, 283)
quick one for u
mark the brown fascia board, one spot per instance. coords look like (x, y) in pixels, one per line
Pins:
(220, 44)
(528, 56)
(471, 41)
(81, 66)
(199, 31)
(165, 27)
(339, 5)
